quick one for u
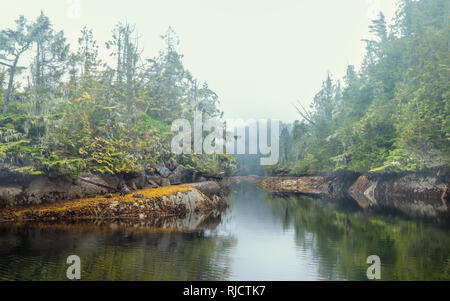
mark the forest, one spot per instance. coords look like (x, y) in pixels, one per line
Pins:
(393, 114)
(68, 113)
(98, 181)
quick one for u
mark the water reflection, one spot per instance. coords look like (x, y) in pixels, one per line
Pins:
(36, 253)
(163, 249)
(341, 236)
(261, 237)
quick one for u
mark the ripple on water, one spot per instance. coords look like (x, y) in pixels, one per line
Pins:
(261, 237)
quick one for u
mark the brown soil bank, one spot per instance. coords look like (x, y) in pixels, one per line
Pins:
(426, 193)
(171, 201)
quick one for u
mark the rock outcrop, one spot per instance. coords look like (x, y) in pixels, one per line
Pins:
(179, 176)
(413, 194)
(209, 188)
(307, 185)
(10, 194)
(41, 189)
(426, 193)
(172, 201)
(163, 171)
(227, 181)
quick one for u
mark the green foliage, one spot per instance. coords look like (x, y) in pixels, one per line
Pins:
(98, 119)
(392, 115)
(414, 250)
(207, 165)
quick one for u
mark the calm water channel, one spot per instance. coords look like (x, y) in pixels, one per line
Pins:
(261, 237)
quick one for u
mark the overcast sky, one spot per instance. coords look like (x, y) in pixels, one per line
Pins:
(259, 56)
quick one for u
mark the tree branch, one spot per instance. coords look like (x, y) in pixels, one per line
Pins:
(305, 114)
(5, 64)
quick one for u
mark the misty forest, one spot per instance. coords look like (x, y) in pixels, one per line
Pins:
(87, 140)
(75, 114)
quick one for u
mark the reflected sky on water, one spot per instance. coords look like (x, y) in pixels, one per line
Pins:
(261, 237)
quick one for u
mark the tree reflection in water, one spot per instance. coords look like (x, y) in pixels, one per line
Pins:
(261, 237)
(341, 236)
(113, 252)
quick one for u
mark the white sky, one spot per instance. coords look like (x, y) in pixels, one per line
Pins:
(259, 56)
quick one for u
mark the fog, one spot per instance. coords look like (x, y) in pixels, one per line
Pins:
(258, 56)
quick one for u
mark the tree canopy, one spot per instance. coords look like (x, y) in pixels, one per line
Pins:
(394, 113)
(77, 114)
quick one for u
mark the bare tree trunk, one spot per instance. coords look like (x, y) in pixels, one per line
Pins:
(38, 107)
(12, 72)
(38, 80)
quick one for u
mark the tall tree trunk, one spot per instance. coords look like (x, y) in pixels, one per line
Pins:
(38, 80)
(12, 72)
(38, 107)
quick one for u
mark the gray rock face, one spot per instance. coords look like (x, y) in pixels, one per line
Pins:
(41, 189)
(179, 176)
(92, 189)
(209, 188)
(192, 200)
(154, 181)
(163, 171)
(307, 185)
(44, 190)
(11, 196)
(171, 164)
(164, 203)
(125, 190)
(412, 194)
(110, 180)
(165, 182)
(138, 182)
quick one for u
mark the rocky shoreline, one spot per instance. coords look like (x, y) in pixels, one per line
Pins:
(147, 204)
(164, 194)
(20, 190)
(426, 193)
(414, 194)
(148, 196)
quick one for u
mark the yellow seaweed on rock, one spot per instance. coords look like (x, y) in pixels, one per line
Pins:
(86, 203)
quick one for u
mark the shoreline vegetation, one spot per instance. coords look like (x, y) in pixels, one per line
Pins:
(77, 115)
(381, 135)
(392, 114)
(80, 127)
